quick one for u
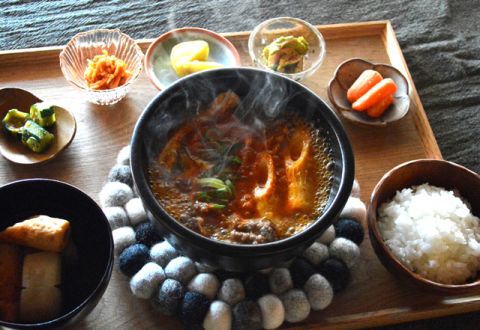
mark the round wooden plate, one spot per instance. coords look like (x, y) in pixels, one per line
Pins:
(12, 149)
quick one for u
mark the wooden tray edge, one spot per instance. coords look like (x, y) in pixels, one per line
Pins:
(329, 31)
(422, 124)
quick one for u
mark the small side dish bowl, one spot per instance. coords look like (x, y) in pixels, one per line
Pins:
(85, 46)
(346, 74)
(440, 173)
(12, 149)
(87, 266)
(157, 59)
(267, 31)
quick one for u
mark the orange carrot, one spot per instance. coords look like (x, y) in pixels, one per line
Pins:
(364, 82)
(378, 92)
(106, 72)
(378, 109)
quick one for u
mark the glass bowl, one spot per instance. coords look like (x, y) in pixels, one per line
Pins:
(84, 46)
(271, 29)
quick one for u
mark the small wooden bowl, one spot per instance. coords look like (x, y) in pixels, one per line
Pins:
(346, 74)
(439, 173)
(12, 149)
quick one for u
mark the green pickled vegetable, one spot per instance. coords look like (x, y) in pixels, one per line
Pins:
(215, 192)
(35, 137)
(285, 54)
(14, 121)
(43, 114)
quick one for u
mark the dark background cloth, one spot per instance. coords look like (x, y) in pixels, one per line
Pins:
(440, 40)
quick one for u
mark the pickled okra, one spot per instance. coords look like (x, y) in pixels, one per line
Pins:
(35, 137)
(14, 121)
(43, 114)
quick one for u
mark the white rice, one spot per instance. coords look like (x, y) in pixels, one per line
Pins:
(433, 233)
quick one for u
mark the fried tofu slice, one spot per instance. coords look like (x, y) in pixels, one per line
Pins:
(42, 269)
(40, 304)
(10, 265)
(42, 232)
(8, 310)
(10, 281)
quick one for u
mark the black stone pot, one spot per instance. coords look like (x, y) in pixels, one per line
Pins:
(263, 94)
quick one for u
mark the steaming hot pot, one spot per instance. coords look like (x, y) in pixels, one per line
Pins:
(264, 91)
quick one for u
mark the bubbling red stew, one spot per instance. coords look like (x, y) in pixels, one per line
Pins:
(243, 183)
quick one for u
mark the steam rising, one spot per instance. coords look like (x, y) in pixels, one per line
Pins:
(263, 99)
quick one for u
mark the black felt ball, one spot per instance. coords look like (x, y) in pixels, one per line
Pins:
(145, 234)
(133, 258)
(121, 173)
(336, 272)
(350, 229)
(193, 309)
(301, 270)
(246, 316)
(256, 285)
(168, 297)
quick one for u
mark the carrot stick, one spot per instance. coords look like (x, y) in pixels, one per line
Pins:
(378, 92)
(378, 109)
(364, 82)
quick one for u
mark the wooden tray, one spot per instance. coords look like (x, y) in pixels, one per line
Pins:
(373, 297)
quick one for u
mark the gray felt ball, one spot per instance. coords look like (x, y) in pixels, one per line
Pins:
(116, 216)
(354, 209)
(219, 316)
(162, 253)
(181, 269)
(280, 280)
(319, 292)
(168, 297)
(296, 305)
(122, 238)
(316, 253)
(231, 291)
(246, 315)
(206, 284)
(135, 211)
(345, 250)
(123, 157)
(273, 312)
(146, 281)
(355, 189)
(115, 194)
(328, 236)
(121, 173)
(204, 268)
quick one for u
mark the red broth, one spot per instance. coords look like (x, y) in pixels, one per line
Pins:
(243, 183)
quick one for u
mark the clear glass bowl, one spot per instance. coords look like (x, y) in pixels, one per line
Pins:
(85, 45)
(269, 30)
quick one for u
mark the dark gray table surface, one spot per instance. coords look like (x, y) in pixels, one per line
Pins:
(440, 40)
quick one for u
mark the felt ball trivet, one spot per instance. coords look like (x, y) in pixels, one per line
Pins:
(203, 297)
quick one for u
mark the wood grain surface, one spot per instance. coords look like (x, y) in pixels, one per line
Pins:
(373, 297)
